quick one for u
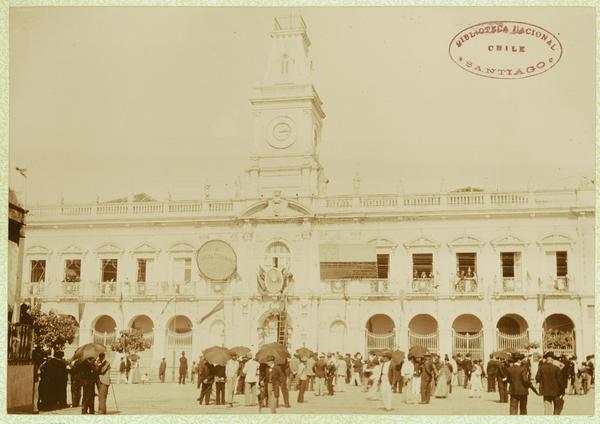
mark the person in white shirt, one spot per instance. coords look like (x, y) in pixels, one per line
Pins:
(412, 389)
(385, 383)
(251, 381)
(302, 379)
(231, 372)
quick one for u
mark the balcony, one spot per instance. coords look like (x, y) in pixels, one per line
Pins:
(20, 342)
(423, 285)
(512, 285)
(466, 287)
(106, 289)
(70, 289)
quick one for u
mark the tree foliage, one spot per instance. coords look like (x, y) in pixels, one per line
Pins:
(130, 341)
(555, 339)
(52, 330)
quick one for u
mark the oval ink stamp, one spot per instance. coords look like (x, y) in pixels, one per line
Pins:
(505, 50)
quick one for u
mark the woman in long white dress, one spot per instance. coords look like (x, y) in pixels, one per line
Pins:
(476, 385)
(135, 374)
(444, 378)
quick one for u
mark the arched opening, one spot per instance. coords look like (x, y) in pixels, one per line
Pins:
(512, 333)
(274, 327)
(105, 332)
(380, 333)
(145, 325)
(559, 335)
(423, 331)
(277, 255)
(179, 339)
(105, 324)
(337, 337)
(467, 335)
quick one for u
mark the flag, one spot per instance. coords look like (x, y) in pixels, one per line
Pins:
(167, 304)
(541, 300)
(121, 302)
(213, 311)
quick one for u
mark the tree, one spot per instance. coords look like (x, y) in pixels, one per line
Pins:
(52, 330)
(130, 341)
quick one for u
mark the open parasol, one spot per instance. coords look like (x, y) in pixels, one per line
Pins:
(304, 351)
(240, 350)
(278, 351)
(216, 355)
(90, 350)
(417, 351)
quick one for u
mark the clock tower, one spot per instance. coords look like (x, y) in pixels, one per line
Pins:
(288, 118)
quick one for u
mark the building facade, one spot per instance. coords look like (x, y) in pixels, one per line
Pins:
(461, 271)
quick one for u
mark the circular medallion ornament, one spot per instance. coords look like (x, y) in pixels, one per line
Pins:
(281, 132)
(216, 260)
(274, 280)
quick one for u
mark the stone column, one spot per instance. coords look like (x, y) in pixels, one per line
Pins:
(445, 340)
(489, 341)
(160, 344)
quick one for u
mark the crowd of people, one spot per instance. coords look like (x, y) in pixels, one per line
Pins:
(52, 374)
(268, 383)
(417, 379)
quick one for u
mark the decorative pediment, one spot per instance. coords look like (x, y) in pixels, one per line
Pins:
(383, 243)
(508, 240)
(38, 250)
(181, 247)
(466, 240)
(73, 250)
(555, 239)
(421, 243)
(145, 248)
(109, 248)
(277, 208)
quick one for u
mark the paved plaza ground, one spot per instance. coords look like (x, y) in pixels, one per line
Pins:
(172, 398)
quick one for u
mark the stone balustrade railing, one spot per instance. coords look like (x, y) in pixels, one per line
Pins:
(161, 290)
(454, 201)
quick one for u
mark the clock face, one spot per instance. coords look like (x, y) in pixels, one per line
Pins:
(281, 132)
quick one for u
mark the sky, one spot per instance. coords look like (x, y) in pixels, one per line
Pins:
(110, 101)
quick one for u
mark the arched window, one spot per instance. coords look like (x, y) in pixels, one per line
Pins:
(277, 255)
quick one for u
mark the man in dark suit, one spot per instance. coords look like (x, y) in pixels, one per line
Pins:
(162, 369)
(502, 379)
(270, 379)
(426, 378)
(551, 386)
(206, 376)
(183, 368)
(467, 366)
(284, 369)
(492, 370)
(518, 380)
(89, 375)
(127, 369)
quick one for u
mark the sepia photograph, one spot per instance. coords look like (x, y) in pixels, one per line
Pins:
(301, 210)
